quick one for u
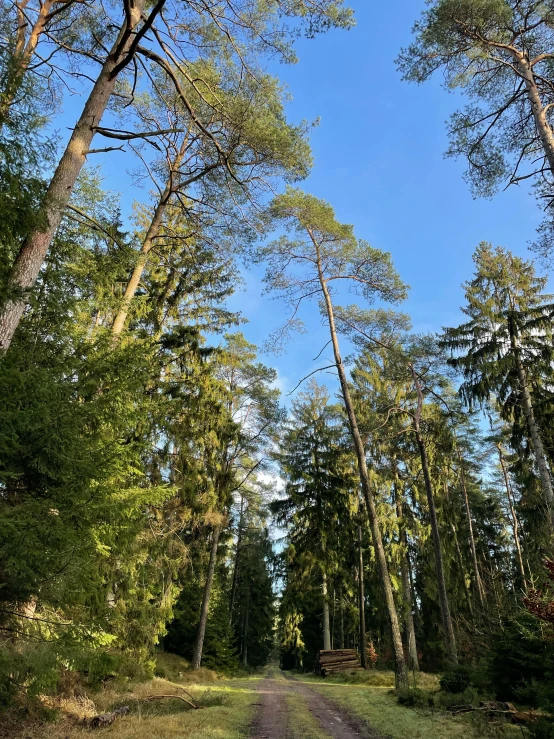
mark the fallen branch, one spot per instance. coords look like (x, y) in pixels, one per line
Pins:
(177, 697)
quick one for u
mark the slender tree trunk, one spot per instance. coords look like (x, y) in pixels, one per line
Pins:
(534, 433)
(448, 627)
(515, 523)
(199, 643)
(151, 235)
(245, 638)
(341, 615)
(460, 561)
(326, 622)
(478, 581)
(236, 563)
(401, 673)
(23, 53)
(35, 247)
(405, 573)
(361, 599)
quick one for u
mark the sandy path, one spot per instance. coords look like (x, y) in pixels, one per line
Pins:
(272, 721)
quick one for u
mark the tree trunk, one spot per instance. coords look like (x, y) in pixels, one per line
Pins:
(341, 615)
(405, 573)
(326, 622)
(151, 235)
(236, 563)
(361, 600)
(401, 674)
(448, 627)
(515, 523)
(460, 561)
(24, 50)
(245, 637)
(199, 643)
(34, 249)
(536, 440)
(538, 109)
(478, 581)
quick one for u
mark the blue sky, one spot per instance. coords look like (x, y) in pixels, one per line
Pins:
(379, 161)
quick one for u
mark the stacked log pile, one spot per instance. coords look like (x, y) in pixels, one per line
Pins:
(336, 660)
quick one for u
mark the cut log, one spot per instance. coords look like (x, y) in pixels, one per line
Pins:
(107, 719)
(331, 661)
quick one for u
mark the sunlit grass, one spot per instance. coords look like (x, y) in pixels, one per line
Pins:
(227, 710)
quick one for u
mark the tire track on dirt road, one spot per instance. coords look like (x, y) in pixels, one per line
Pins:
(274, 719)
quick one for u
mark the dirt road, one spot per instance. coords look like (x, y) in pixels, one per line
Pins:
(275, 720)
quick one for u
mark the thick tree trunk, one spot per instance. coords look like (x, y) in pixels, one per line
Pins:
(34, 249)
(446, 618)
(401, 673)
(543, 127)
(406, 586)
(199, 643)
(326, 621)
(361, 600)
(515, 523)
(478, 581)
(151, 235)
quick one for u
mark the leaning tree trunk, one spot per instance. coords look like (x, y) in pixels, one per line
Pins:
(199, 643)
(515, 523)
(401, 674)
(538, 110)
(405, 573)
(446, 618)
(35, 247)
(151, 235)
(473, 548)
(361, 600)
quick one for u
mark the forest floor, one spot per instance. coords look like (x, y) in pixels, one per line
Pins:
(271, 706)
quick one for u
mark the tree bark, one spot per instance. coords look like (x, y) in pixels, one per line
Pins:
(401, 674)
(544, 130)
(34, 249)
(536, 440)
(326, 621)
(151, 235)
(361, 599)
(236, 563)
(23, 53)
(478, 581)
(341, 616)
(405, 573)
(199, 643)
(245, 637)
(446, 618)
(515, 523)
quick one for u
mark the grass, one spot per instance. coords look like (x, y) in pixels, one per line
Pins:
(227, 709)
(301, 724)
(373, 701)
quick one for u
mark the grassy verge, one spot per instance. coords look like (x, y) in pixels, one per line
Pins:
(301, 724)
(227, 709)
(376, 704)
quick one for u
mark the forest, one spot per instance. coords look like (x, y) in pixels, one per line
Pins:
(172, 511)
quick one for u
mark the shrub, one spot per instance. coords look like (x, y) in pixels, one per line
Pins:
(456, 679)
